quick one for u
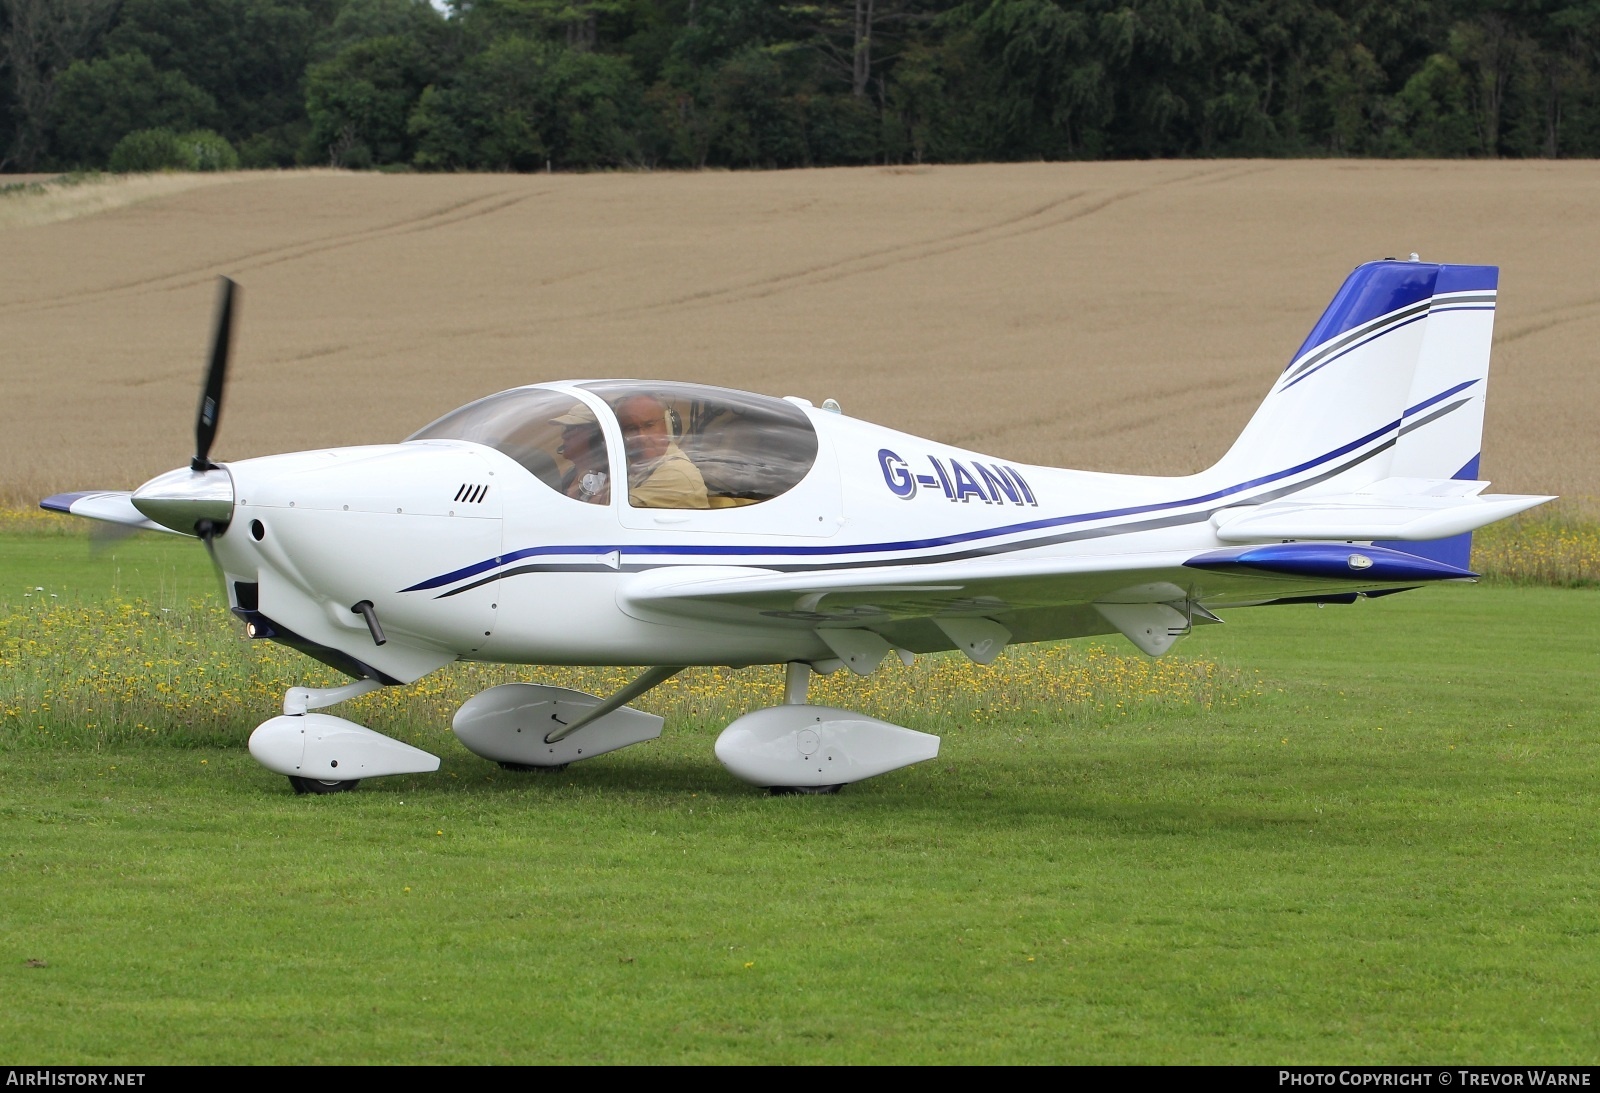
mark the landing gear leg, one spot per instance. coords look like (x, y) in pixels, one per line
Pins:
(796, 682)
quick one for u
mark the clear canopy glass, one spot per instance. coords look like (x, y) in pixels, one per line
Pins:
(690, 446)
(556, 437)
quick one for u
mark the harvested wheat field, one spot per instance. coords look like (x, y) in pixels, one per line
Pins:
(1116, 316)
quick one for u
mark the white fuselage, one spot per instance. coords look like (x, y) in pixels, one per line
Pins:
(466, 555)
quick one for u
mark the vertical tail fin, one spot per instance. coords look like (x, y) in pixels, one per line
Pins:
(1390, 383)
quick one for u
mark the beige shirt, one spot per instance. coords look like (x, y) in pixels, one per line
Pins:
(671, 482)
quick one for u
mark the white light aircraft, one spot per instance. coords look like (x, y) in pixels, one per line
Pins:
(662, 525)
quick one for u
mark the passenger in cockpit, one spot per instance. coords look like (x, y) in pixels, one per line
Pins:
(584, 447)
(660, 476)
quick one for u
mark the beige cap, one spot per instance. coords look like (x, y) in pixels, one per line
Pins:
(578, 415)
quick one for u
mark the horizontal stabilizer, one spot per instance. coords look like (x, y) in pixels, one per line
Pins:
(107, 506)
(1377, 512)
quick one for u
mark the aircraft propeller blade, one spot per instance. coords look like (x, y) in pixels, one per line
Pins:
(208, 531)
(104, 536)
(205, 426)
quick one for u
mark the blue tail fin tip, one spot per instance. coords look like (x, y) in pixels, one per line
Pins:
(1381, 288)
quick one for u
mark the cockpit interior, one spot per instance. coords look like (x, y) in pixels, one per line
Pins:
(685, 445)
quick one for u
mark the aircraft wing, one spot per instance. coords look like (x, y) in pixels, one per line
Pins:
(928, 607)
(900, 591)
(107, 506)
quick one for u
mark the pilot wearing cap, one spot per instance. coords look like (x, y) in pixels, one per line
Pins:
(584, 447)
(660, 476)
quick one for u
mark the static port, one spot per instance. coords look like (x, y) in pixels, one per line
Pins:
(257, 530)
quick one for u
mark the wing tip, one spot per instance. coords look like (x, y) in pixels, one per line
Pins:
(63, 502)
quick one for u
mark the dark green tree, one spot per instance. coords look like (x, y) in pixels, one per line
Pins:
(491, 116)
(97, 103)
(360, 20)
(360, 102)
(524, 103)
(40, 40)
(250, 56)
(583, 84)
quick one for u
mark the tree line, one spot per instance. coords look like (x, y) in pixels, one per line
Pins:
(526, 85)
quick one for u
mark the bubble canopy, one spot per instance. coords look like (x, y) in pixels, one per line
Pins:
(743, 448)
(528, 424)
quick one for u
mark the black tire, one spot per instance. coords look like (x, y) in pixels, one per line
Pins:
(524, 768)
(318, 786)
(804, 791)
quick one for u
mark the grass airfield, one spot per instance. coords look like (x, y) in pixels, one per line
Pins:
(1374, 841)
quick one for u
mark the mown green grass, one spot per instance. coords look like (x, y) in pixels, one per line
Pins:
(45, 556)
(1382, 848)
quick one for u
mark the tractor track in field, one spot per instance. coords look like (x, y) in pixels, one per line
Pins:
(434, 219)
(1019, 225)
(1565, 315)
